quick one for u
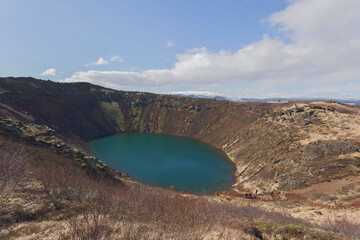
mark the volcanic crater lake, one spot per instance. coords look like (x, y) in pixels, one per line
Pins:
(164, 160)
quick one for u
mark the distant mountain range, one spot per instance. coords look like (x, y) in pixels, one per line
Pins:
(206, 95)
(340, 100)
(221, 97)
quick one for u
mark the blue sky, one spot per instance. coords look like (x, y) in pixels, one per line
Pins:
(241, 48)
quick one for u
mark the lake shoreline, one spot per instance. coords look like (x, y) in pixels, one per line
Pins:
(206, 169)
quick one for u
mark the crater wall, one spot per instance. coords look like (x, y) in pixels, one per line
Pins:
(274, 146)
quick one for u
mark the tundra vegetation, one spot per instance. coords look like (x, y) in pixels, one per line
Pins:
(13, 166)
(51, 198)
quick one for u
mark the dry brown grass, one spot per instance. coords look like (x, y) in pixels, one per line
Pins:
(343, 225)
(96, 208)
(94, 221)
(13, 165)
(103, 204)
(59, 183)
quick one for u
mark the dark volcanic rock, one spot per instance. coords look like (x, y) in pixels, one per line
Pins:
(325, 148)
(255, 232)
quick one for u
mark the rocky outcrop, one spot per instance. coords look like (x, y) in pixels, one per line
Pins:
(40, 135)
(323, 149)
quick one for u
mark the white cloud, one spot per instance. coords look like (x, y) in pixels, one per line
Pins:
(315, 41)
(345, 89)
(170, 44)
(116, 59)
(50, 71)
(100, 61)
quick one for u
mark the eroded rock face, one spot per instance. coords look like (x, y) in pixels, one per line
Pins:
(44, 136)
(274, 146)
(323, 149)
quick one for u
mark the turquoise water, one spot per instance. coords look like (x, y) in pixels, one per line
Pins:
(163, 160)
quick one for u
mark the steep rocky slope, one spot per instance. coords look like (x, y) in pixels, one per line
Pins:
(274, 146)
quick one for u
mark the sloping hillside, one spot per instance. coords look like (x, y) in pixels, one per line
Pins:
(274, 146)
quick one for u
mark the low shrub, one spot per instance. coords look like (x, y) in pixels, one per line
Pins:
(13, 166)
(343, 225)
